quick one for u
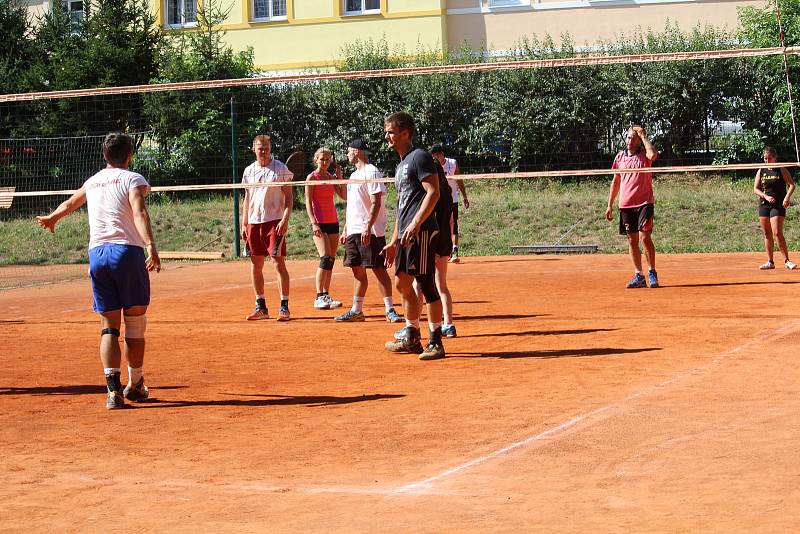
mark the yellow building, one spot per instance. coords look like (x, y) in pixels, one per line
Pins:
(298, 34)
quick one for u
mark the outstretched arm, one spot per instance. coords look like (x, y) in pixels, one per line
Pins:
(74, 202)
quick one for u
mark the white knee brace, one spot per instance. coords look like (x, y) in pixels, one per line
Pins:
(135, 326)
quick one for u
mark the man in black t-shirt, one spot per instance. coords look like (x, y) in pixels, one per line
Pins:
(412, 247)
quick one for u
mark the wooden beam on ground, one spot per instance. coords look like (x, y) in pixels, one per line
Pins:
(554, 249)
(181, 255)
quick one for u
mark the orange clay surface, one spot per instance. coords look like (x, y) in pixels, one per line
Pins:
(567, 403)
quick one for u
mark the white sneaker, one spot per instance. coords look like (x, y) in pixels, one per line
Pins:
(790, 265)
(768, 265)
(332, 302)
(321, 303)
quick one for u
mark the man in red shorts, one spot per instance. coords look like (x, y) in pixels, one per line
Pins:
(266, 219)
(636, 202)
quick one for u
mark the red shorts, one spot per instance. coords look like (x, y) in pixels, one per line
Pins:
(263, 240)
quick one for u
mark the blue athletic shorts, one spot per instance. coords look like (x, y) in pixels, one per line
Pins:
(119, 277)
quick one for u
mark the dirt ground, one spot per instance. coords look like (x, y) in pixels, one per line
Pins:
(567, 403)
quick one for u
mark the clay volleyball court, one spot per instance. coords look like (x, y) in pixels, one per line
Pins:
(567, 403)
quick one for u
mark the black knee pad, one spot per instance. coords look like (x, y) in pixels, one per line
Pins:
(428, 286)
(113, 331)
(326, 263)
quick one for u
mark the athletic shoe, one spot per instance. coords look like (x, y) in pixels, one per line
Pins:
(115, 400)
(434, 351)
(768, 265)
(283, 314)
(454, 257)
(393, 317)
(652, 278)
(136, 392)
(258, 314)
(449, 331)
(400, 334)
(350, 317)
(321, 303)
(409, 343)
(790, 265)
(637, 281)
(332, 302)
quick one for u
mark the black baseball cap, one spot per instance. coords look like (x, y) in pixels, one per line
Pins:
(360, 144)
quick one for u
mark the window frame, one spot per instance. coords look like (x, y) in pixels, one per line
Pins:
(491, 4)
(361, 11)
(67, 5)
(182, 8)
(271, 17)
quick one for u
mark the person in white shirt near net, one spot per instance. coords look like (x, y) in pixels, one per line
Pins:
(450, 167)
(364, 234)
(119, 235)
(266, 219)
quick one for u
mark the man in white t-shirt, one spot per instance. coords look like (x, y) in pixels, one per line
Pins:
(450, 167)
(266, 220)
(119, 234)
(364, 234)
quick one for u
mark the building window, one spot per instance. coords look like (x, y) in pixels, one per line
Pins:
(269, 9)
(508, 3)
(362, 7)
(181, 13)
(74, 9)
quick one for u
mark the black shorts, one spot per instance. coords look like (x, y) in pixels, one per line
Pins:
(328, 228)
(455, 218)
(370, 256)
(443, 244)
(633, 220)
(771, 210)
(419, 256)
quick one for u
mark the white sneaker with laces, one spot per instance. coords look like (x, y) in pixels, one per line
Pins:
(768, 265)
(790, 265)
(321, 303)
(332, 302)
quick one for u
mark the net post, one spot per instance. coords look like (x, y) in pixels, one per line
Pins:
(237, 251)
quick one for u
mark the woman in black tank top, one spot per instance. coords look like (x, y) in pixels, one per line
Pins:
(774, 187)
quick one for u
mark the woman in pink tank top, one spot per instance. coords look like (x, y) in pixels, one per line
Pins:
(324, 222)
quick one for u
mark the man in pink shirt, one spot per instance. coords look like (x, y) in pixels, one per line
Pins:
(636, 202)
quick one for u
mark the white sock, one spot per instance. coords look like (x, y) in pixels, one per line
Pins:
(135, 374)
(433, 326)
(284, 297)
(358, 304)
(108, 371)
(412, 322)
(387, 302)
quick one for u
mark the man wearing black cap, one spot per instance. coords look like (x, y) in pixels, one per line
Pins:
(364, 234)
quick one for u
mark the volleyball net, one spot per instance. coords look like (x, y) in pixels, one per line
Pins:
(543, 117)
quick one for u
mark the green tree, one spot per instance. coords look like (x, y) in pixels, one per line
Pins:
(763, 102)
(192, 127)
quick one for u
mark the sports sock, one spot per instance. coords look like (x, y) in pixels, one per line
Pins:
(412, 322)
(135, 374)
(284, 302)
(320, 294)
(113, 382)
(388, 304)
(436, 335)
(261, 302)
(455, 249)
(434, 326)
(358, 304)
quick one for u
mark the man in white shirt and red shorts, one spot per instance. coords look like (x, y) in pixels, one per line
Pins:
(119, 236)
(266, 220)
(636, 203)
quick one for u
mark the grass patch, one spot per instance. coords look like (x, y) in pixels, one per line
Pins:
(693, 214)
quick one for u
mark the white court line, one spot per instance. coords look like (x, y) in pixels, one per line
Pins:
(423, 485)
